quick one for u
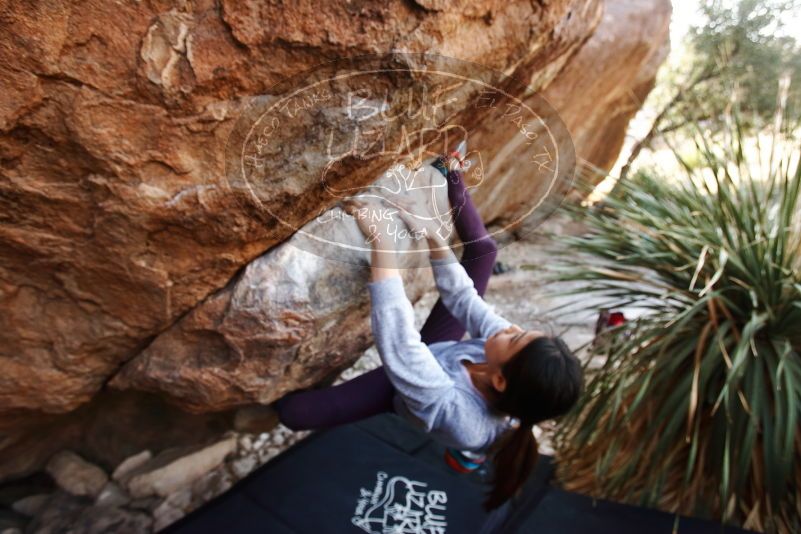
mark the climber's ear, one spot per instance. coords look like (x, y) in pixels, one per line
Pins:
(462, 149)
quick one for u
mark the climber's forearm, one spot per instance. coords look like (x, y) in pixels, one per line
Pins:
(439, 250)
(383, 264)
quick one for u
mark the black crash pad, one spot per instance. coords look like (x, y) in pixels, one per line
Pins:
(383, 476)
(373, 476)
(562, 511)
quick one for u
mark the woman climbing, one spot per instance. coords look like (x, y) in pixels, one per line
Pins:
(481, 395)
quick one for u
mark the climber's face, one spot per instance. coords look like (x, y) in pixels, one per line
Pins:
(501, 346)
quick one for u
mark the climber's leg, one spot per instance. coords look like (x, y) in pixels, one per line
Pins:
(478, 257)
(361, 397)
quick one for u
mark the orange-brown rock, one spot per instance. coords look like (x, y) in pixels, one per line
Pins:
(117, 216)
(596, 94)
(292, 316)
(116, 219)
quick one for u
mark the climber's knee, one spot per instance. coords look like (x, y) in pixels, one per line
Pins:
(287, 415)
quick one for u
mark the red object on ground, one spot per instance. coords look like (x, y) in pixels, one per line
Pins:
(615, 319)
(606, 321)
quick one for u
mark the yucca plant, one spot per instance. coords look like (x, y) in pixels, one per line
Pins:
(696, 409)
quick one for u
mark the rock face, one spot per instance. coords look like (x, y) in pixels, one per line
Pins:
(596, 94)
(291, 317)
(116, 216)
(603, 69)
(122, 234)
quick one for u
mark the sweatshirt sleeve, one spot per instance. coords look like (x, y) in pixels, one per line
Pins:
(411, 367)
(459, 295)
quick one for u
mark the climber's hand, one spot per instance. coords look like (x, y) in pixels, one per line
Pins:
(383, 263)
(419, 219)
(373, 228)
(355, 208)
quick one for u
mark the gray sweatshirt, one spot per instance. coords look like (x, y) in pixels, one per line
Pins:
(433, 388)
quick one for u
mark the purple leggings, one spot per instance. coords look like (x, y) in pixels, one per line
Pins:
(372, 393)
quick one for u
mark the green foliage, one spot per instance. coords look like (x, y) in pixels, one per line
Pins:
(697, 408)
(738, 54)
(743, 44)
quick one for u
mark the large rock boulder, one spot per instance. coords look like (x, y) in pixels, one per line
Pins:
(293, 316)
(117, 218)
(122, 237)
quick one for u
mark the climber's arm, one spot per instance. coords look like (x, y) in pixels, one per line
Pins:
(382, 261)
(411, 367)
(456, 288)
(382, 257)
(460, 297)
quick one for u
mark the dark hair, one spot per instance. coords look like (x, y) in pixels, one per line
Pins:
(543, 380)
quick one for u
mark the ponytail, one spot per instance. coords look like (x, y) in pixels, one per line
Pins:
(543, 380)
(514, 458)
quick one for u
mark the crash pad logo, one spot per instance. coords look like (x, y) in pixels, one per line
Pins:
(398, 505)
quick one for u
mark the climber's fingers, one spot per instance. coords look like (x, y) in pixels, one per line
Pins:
(411, 222)
(350, 205)
(407, 205)
(415, 209)
(354, 208)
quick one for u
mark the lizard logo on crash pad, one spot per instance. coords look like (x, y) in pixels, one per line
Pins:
(398, 505)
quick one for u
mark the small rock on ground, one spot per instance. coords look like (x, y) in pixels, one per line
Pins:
(130, 463)
(155, 477)
(75, 475)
